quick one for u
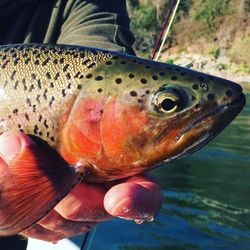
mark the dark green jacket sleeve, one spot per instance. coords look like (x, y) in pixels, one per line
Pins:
(94, 23)
(99, 23)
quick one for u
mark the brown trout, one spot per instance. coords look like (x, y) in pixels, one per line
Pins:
(107, 114)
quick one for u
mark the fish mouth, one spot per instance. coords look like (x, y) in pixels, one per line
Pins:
(217, 119)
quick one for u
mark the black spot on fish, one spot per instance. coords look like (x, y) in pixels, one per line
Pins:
(88, 76)
(34, 108)
(24, 84)
(65, 67)
(99, 90)
(211, 96)
(5, 64)
(45, 61)
(33, 76)
(40, 118)
(86, 62)
(143, 81)
(12, 75)
(155, 78)
(131, 76)
(118, 80)
(108, 63)
(45, 124)
(193, 98)
(174, 78)
(36, 62)
(48, 75)
(133, 93)
(35, 130)
(197, 106)
(38, 98)
(51, 101)
(183, 73)
(229, 93)
(15, 111)
(52, 138)
(55, 61)
(57, 75)
(27, 116)
(28, 101)
(16, 61)
(26, 61)
(99, 78)
(162, 74)
(68, 76)
(79, 86)
(61, 60)
(45, 94)
(63, 92)
(39, 84)
(147, 92)
(91, 65)
(69, 86)
(115, 57)
(82, 55)
(31, 87)
(195, 86)
(16, 84)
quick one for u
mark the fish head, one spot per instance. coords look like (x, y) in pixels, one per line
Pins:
(134, 113)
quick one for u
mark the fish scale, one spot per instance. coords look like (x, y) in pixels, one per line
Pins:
(32, 95)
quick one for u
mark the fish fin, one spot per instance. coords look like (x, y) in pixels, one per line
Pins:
(33, 183)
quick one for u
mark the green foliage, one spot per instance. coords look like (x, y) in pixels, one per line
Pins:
(210, 10)
(170, 61)
(145, 27)
(215, 52)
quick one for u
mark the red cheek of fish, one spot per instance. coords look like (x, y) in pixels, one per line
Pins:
(121, 123)
(81, 138)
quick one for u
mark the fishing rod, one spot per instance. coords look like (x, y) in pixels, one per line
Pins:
(164, 31)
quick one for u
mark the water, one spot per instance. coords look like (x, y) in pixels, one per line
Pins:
(207, 201)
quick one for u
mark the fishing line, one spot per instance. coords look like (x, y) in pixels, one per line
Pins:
(170, 15)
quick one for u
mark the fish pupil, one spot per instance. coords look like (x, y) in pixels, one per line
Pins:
(168, 104)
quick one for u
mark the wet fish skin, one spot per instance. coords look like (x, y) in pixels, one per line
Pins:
(104, 111)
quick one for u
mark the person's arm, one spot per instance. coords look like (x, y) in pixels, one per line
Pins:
(97, 23)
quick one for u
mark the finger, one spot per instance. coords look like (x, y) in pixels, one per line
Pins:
(36, 231)
(53, 227)
(84, 203)
(55, 222)
(138, 198)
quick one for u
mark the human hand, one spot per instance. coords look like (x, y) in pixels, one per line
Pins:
(134, 198)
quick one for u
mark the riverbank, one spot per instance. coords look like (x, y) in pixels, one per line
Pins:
(221, 66)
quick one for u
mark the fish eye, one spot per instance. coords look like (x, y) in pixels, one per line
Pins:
(167, 103)
(169, 99)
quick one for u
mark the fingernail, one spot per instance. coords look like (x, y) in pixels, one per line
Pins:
(123, 207)
(11, 144)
